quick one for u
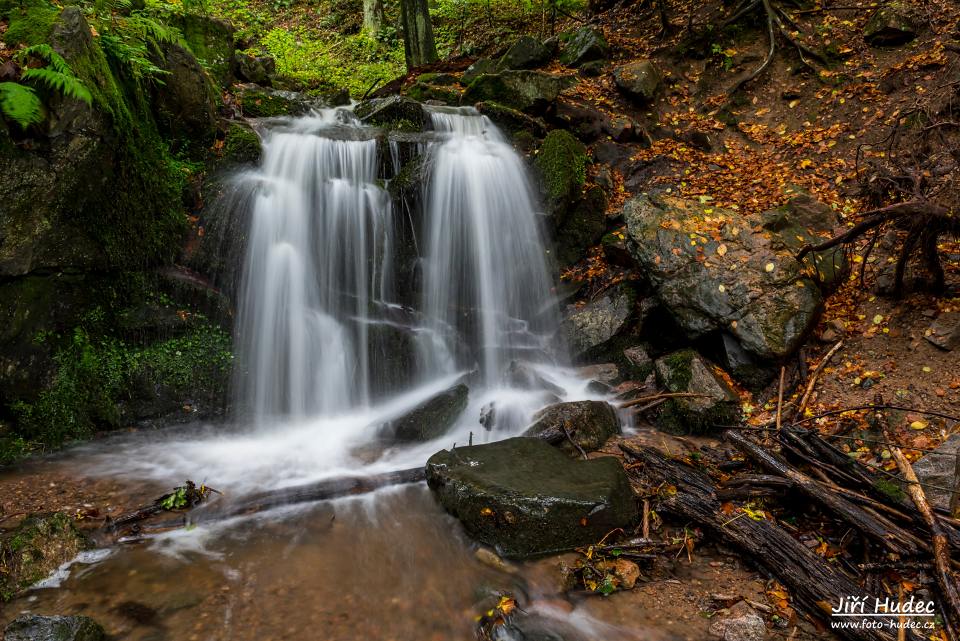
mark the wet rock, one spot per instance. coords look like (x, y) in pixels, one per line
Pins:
(241, 145)
(512, 121)
(746, 283)
(259, 70)
(477, 69)
(891, 25)
(740, 623)
(936, 470)
(588, 329)
(432, 418)
(35, 548)
(562, 165)
(529, 91)
(945, 331)
(688, 372)
(526, 53)
(639, 80)
(584, 45)
(440, 94)
(589, 424)
(260, 102)
(394, 112)
(526, 497)
(639, 362)
(186, 103)
(607, 373)
(523, 376)
(32, 627)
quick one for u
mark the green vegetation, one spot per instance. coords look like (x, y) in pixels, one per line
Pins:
(34, 549)
(563, 163)
(20, 103)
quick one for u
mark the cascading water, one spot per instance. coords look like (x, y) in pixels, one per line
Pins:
(486, 277)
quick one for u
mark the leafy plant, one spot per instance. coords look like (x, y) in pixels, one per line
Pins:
(21, 104)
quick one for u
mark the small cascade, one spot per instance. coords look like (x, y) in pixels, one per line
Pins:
(486, 278)
(318, 254)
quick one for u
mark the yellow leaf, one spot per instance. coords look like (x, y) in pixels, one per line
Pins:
(722, 250)
(918, 425)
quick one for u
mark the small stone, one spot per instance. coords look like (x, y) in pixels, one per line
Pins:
(945, 331)
(741, 623)
(628, 572)
(639, 80)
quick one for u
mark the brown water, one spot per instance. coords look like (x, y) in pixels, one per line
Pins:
(388, 566)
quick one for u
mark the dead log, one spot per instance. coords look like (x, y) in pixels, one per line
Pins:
(813, 583)
(878, 528)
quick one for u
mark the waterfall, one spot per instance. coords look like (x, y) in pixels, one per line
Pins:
(322, 266)
(486, 277)
(318, 242)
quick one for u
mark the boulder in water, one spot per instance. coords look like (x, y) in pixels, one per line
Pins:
(38, 546)
(395, 112)
(526, 497)
(432, 418)
(639, 80)
(512, 121)
(522, 375)
(584, 45)
(241, 145)
(743, 282)
(688, 372)
(259, 102)
(526, 53)
(589, 424)
(33, 627)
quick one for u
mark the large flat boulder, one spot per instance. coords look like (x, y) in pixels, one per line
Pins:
(718, 270)
(526, 497)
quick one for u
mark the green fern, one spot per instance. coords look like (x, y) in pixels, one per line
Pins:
(56, 76)
(20, 104)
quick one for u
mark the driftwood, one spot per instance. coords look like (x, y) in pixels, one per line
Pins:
(882, 530)
(320, 491)
(815, 584)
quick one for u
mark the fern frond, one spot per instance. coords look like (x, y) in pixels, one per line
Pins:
(20, 104)
(66, 85)
(46, 53)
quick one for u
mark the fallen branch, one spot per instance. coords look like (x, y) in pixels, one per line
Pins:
(941, 548)
(658, 397)
(813, 378)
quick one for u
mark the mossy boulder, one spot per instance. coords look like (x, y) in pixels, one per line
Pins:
(185, 105)
(422, 92)
(32, 627)
(562, 165)
(210, 39)
(439, 78)
(526, 498)
(526, 53)
(584, 45)
(261, 102)
(241, 145)
(432, 418)
(713, 272)
(513, 122)
(260, 70)
(688, 372)
(891, 25)
(529, 91)
(639, 80)
(394, 112)
(589, 425)
(477, 69)
(36, 547)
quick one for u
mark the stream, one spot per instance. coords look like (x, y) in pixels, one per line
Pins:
(335, 278)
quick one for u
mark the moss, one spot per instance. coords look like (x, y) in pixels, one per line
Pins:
(30, 24)
(258, 103)
(242, 145)
(679, 366)
(38, 546)
(890, 489)
(563, 164)
(422, 91)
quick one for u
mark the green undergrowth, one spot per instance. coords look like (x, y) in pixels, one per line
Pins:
(97, 372)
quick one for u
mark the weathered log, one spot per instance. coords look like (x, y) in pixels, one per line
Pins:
(878, 528)
(815, 584)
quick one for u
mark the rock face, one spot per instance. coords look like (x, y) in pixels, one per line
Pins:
(186, 103)
(432, 418)
(639, 80)
(713, 273)
(526, 497)
(589, 424)
(584, 45)
(31, 627)
(526, 53)
(890, 26)
(687, 372)
(529, 91)
(590, 328)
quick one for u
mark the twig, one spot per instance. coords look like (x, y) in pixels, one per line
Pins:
(566, 433)
(955, 497)
(783, 372)
(941, 547)
(646, 519)
(813, 379)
